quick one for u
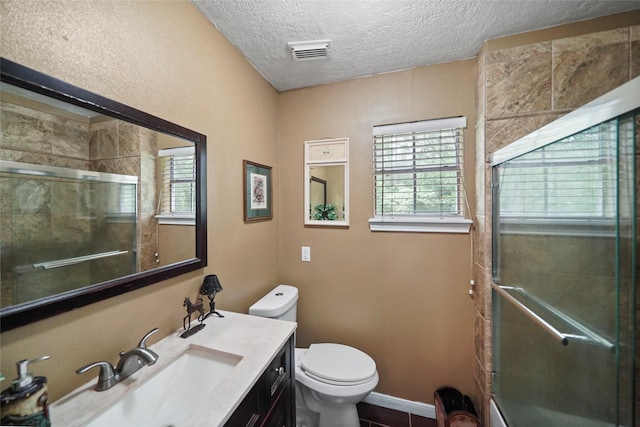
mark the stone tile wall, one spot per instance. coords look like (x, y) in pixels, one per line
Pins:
(119, 147)
(37, 210)
(519, 90)
(31, 136)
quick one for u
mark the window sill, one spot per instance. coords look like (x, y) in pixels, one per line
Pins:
(176, 219)
(421, 224)
(585, 227)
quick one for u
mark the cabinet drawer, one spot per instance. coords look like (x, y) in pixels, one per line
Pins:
(276, 376)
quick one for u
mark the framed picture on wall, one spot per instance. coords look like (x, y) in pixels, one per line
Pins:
(257, 191)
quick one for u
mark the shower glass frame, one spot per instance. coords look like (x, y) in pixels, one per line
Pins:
(548, 343)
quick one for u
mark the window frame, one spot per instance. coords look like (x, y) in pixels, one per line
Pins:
(170, 216)
(439, 222)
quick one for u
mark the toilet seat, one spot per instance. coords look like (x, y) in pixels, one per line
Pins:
(338, 364)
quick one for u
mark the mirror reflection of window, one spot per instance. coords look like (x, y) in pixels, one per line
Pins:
(178, 184)
(122, 199)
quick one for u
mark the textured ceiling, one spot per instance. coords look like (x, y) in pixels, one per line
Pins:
(378, 36)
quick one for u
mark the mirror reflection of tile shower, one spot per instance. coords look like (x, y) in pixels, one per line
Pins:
(78, 197)
(63, 229)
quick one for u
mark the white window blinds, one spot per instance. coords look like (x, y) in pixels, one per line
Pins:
(178, 192)
(418, 168)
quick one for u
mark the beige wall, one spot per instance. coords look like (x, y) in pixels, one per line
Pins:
(401, 297)
(175, 243)
(164, 58)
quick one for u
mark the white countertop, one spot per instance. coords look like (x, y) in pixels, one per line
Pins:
(257, 340)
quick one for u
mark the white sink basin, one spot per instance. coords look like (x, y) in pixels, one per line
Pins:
(172, 394)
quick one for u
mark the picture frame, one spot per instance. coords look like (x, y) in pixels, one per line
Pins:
(257, 194)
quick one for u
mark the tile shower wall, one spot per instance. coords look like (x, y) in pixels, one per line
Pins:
(582, 280)
(519, 90)
(120, 147)
(31, 136)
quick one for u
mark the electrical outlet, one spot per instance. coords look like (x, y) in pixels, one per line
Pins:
(306, 254)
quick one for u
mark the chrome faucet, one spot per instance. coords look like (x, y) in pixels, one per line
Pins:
(129, 363)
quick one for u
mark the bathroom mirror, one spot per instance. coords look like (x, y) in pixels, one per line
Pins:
(97, 198)
(327, 182)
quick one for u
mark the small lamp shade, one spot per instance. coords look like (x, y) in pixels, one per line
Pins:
(210, 285)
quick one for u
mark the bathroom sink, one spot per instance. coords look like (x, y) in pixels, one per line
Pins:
(171, 395)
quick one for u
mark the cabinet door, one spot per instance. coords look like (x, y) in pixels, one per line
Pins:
(271, 402)
(248, 413)
(280, 414)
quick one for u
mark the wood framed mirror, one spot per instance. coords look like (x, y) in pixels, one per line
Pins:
(92, 190)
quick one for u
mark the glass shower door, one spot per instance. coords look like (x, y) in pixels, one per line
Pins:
(564, 280)
(79, 230)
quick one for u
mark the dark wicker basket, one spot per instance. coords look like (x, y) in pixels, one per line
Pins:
(453, 409)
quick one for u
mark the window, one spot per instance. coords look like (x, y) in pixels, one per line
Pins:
(574, 178)
(418, 182)
(121, 199)
(178, 189)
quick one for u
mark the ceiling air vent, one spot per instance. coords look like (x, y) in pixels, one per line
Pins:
(306, 51)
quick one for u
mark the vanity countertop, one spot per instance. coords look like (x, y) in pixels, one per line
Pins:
(255, 339)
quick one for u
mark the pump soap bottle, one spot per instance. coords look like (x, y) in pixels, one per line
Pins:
(25, 403)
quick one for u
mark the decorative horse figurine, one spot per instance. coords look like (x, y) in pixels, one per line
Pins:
(192, 308)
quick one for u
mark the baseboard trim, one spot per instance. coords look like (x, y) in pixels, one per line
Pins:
(404, 405)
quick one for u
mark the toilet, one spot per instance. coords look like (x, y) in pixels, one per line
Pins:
(330, 378)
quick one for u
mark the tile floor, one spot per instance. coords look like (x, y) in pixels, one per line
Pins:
(377, 416)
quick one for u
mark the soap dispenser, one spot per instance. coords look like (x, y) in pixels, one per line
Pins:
(25, 403)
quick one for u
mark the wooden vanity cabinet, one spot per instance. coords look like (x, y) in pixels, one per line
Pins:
(271, 401)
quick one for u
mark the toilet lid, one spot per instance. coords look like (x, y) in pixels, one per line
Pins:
(337, 363)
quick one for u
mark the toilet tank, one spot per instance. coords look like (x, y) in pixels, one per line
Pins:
(280, 303)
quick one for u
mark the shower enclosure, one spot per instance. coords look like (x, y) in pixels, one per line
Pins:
(63, 229)
(565, 267)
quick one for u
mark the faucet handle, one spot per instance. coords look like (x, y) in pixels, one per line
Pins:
(107, 377)
(143, 341)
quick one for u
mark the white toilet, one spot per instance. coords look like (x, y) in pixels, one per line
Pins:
(330, 378)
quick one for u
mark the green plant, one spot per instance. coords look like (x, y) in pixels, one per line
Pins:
(325, 213)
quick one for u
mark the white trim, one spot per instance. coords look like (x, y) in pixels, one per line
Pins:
(403, 405)
(420, 224)
(613, 104)
(177, 219)
(177, 151)
(421, 126)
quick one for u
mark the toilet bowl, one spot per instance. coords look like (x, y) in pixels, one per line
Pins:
(330, 378)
